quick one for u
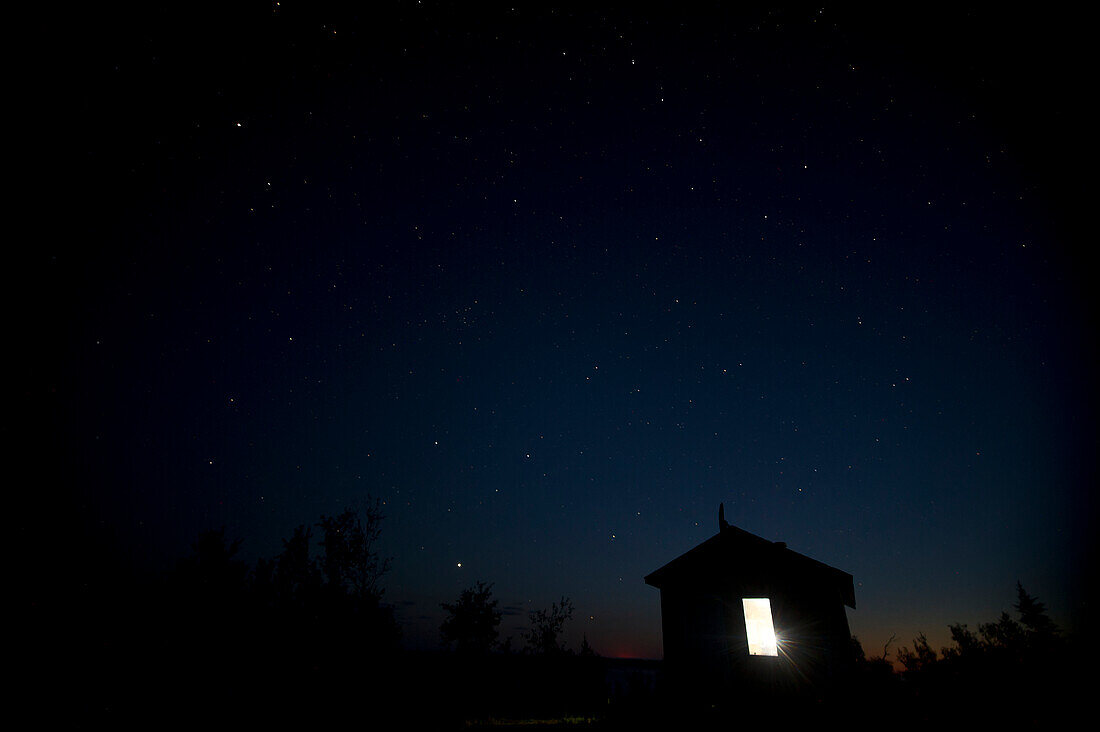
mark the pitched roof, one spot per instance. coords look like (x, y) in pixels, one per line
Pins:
(733, 550)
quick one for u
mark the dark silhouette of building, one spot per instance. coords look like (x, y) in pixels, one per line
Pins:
(749, 618)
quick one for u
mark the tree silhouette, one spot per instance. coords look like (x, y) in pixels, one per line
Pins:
(211, 572)
(350, 563)
(1039, 627)
(325, 603)
(1004, 635)
(546, 628)
(872, 676)
(1010, 671)
(881, 661)
(922, 656)
(1004, 640)
(296, 577)
(967, 644)
(197, 634)
(351, 593)
(471, 624)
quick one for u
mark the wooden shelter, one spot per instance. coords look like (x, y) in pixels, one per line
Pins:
(741, 614)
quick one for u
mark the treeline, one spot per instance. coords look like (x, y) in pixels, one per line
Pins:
(301, 636)
(1020, 671)
(490, 678)
(305, 637)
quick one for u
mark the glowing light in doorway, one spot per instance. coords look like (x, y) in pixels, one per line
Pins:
(758, 626)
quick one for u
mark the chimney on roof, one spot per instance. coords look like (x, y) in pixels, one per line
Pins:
(722, 523)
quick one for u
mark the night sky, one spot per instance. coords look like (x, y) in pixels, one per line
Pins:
(552, 283)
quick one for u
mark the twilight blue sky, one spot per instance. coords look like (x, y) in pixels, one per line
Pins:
(553, 283)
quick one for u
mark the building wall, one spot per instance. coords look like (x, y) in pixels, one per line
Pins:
(706, 649)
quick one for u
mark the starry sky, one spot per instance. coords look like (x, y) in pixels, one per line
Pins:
(553, 282)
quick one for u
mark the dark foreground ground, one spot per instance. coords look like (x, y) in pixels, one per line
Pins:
(138, 665)
(443, 691)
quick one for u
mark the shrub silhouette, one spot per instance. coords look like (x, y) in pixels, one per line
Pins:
(472, 621)
(542, 637)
